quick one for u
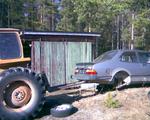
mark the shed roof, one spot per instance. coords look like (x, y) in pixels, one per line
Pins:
(9, 30)
(61, 36)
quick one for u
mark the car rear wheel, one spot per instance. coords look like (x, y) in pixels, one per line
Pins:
(118, 83)
(22, 94)
(119, 80)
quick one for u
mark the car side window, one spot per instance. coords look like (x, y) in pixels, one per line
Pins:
(129, 57)
(144, 57)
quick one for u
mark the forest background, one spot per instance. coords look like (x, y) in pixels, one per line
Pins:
(123, 24)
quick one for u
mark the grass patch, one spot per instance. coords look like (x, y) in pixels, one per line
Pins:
(111, 102)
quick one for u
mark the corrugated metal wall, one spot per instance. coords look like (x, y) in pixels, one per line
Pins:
(58, 59)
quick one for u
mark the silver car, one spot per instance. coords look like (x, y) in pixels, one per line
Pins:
(117, 67)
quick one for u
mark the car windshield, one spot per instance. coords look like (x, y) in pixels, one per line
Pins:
(106, 56)
(9, 46)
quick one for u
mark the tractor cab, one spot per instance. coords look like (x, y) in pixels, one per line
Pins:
(11, 50)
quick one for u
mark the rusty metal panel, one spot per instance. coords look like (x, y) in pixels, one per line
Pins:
(58, 59)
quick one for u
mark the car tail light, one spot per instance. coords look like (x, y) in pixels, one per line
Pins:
(91, 72)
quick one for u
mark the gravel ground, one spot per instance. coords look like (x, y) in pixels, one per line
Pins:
(134, 105)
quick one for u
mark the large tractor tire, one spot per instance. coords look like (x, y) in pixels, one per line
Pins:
(21, 94)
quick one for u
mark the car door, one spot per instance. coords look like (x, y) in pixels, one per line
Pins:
(144, 59)
(130, 62)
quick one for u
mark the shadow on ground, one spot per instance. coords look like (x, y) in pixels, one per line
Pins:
(58, 99)
(69, 97)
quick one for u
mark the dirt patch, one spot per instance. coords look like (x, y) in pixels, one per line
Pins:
(135, 105)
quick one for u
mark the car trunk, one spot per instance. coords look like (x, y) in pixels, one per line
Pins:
(82, 67)
(85, 72)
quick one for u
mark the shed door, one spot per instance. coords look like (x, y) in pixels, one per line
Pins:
(58, 59)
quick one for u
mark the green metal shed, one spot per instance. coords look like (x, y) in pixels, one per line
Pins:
(56, 53)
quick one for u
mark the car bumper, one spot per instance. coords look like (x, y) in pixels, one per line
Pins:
(93, 78)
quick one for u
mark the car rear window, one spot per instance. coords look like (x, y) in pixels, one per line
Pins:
(9, 46)
(106, 56)
(144, 57)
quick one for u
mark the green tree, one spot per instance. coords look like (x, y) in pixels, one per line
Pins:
(29, 14)
(112, 18)
(11, 13)
(68, 21)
